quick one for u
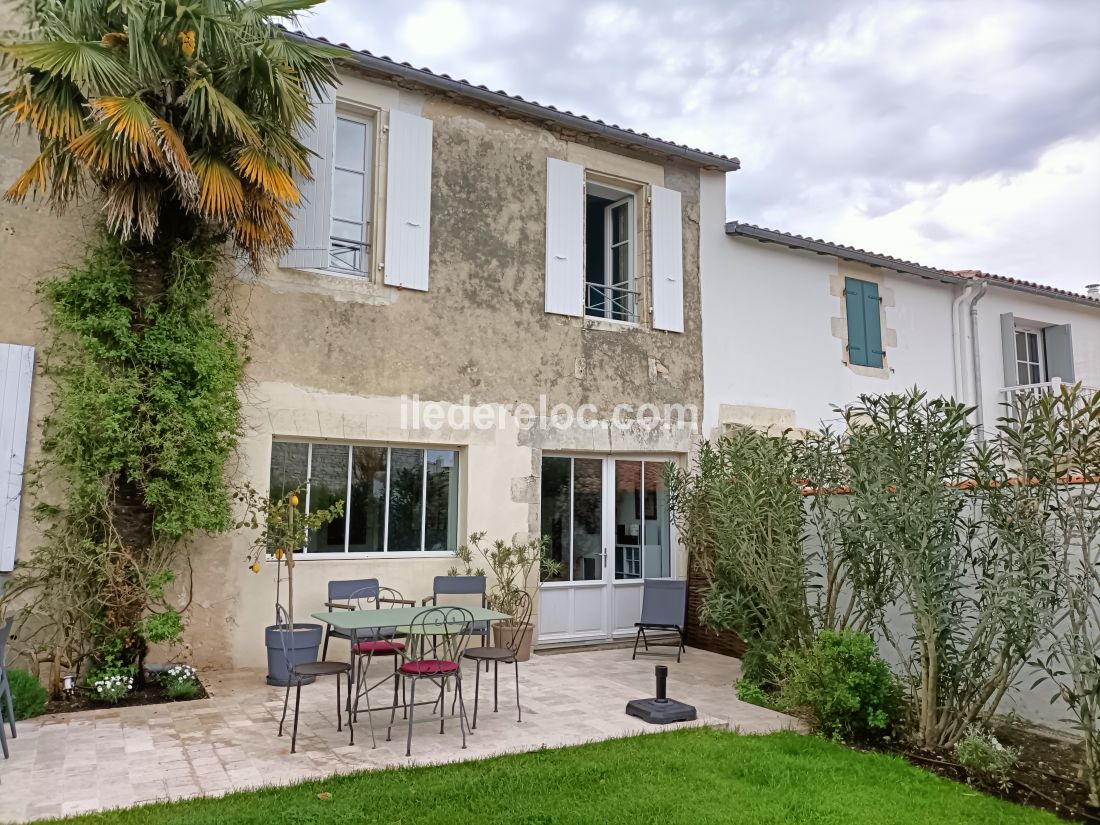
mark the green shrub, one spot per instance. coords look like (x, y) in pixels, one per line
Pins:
(751, 692)
(984, 758)
(843, 681)
(28, 697)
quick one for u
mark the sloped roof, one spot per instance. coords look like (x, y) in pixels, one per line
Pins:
(856, 255)
(531, 109)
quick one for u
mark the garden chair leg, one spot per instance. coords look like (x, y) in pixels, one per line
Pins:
(442, 704)
(393, 708)
(286, 700)
(324, 647)
(297, 702)
(462, 709)
(412, 707)
(11, 710)
(351, 722)
(339, 704)
(519, 709)
(477, 691)
(4, 742)
(637, 636)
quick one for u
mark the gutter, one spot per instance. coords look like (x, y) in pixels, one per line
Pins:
(958, 340)
(547, 115)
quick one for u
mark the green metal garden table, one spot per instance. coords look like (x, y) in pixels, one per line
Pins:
(390, 623)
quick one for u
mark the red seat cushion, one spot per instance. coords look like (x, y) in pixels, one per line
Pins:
(382, 646)
(428, 667)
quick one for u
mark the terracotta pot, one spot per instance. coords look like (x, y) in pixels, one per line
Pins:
(503, 633)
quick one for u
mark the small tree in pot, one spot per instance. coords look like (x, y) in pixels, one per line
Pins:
(512, 565)
(283, 530)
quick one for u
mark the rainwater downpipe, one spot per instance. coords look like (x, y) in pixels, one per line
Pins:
(975, 352)
(958, 333)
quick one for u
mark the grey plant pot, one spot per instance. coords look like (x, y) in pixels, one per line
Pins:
(302, 644)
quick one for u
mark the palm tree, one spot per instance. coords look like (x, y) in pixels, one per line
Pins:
(182, 114)
(181, 117)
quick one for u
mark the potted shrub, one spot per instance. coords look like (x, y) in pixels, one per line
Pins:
(512, 566)
(283, 530)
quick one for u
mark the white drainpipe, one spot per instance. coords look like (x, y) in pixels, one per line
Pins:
(975, 351)
(959, 336)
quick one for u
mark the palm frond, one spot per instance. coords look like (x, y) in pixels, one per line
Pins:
(34, 178)
(131, 122)
(312, 62)
(176, 160)
(132, 204)
(263, 227)
(102, 154)
(84, 63)
(265, 173)
(259, 12)
(221, 194)
(287, 149)
(53, 107)
(209, 108)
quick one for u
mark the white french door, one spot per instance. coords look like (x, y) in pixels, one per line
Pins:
(609, 528)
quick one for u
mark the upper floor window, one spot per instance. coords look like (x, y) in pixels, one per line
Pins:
(349, 238)
(864, 324)
(1030, 364)
(594, 268)
(396, 499)
(609, 281)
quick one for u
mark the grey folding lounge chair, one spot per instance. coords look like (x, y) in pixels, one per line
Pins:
(664, 606)
(5, 687)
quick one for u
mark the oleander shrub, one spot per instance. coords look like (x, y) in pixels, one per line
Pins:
(28, 697)
(844, 684)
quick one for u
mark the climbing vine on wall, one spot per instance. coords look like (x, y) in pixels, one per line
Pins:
(144, 414)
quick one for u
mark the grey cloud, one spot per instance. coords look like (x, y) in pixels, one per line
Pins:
(835, 101)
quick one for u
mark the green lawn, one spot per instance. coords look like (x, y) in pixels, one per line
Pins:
(692, 776)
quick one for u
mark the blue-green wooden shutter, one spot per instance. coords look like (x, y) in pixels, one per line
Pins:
(872, 324)
(857, 332)
(864, 327)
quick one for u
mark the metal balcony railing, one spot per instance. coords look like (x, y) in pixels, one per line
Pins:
(612, 301)
(347, 255)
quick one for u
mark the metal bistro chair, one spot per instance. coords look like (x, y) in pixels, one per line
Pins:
(298, 673)
(381, 641)
(508, 654)
(437, 639)
(341, 596)
(463, 586)
(664, 606)
(5, 687)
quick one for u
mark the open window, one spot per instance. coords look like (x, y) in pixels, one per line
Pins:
(349, 235)
(609, 282)
(1030, 360)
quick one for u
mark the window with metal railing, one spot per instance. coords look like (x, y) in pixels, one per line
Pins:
(353, 149)
(610, 285)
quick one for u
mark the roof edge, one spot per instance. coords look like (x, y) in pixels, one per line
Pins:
(848, 253)
(526, 108)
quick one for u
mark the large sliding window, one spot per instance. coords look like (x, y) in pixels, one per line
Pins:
(396, 499)
(643, 532)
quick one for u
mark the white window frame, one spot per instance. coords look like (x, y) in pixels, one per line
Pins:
(628, 198)
(369, 119)
(346, 554)
(1039, 350)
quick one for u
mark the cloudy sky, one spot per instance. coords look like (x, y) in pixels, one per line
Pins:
(960, 135)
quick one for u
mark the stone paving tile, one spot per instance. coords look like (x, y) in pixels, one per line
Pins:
(117, 757)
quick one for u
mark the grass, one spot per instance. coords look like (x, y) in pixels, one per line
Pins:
(691, 776)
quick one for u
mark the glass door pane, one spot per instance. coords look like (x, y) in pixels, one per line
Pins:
(657, 538)
(587, 519)
(557, 512)
(628, 519)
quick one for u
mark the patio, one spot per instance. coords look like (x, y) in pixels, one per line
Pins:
(71, 763)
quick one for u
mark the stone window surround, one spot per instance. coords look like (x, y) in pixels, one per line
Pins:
(839, 323)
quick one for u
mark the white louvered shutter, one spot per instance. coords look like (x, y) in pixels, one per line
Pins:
(16, 371)
(408, 201)
(311, 220)
(564, 237)
(667, 260)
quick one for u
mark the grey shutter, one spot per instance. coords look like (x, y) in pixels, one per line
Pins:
(408, 200)
(667, 259)
(16, 373)
(564, 237)
(1008, 349)
(311, 219)
(1058, 344)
